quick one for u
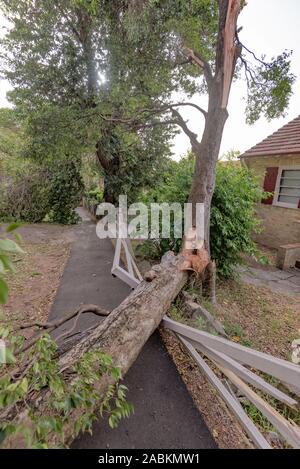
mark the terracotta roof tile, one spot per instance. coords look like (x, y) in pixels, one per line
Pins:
(282, 142)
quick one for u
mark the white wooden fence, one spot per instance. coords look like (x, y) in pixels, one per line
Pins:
(236, 362)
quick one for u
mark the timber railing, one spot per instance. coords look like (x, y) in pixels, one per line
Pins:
(236, 362)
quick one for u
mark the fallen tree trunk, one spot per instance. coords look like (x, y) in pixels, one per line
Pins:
(122, 335)
(137, 317)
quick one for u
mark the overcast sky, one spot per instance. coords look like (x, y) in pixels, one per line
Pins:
(269, 27)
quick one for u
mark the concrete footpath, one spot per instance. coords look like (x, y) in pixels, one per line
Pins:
(165, 415)
(278, 281)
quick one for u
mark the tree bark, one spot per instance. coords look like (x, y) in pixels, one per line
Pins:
(207, 151)
(110, 165)
(206, 156)
(122, 335)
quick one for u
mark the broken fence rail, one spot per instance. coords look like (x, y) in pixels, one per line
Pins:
(230, 358)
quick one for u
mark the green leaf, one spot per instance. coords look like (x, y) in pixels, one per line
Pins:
(18, 237)
(24, 385)
(116, 373)
(3, 291)
(13, 227)
(4, 333)
(10, 246)
(7, 262)
(10, 358)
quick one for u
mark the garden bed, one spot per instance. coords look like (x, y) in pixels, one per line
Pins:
(252, 316)
(38, 271)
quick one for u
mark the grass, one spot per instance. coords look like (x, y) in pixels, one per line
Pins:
(267, 320)
(236, 334)
(176, 313)
(260, 420)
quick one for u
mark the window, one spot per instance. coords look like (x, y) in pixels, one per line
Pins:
(288, 188)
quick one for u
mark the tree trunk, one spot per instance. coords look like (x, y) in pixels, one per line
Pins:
(218, 84)
(206, 157)
(110, 164)
(122, 335)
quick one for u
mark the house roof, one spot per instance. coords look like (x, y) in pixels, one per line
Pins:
(284, 141)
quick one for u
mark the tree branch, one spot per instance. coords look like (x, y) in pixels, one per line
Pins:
(251, 52)
(51, 326)
(154, 124)
(202, 63)
(200, 109)
(181, 122)
(158, 110)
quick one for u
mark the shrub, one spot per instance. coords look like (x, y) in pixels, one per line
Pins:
(35, 192)
(26, 195)
(65, 192)
(232, 216)
(95, 195)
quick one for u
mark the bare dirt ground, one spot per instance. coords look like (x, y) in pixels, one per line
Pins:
(254, 316)
(268, 255)
(38, 272)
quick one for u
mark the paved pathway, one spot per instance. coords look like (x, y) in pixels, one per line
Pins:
(165, 415)
(279, 281)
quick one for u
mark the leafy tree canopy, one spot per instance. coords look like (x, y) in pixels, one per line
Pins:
(89, 72)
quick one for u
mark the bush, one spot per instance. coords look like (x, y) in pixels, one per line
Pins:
(232, 216)
(94, 196)
(26, 195)
(36, 192)
(65, 192)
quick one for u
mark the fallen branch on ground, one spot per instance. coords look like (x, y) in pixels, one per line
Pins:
(51, 326)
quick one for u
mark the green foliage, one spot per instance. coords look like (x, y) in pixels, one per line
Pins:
(10, 139)
(7, 248)
(91, 6)
(233, 218)
(78, 393)
(235, 332)
(194, 24)
(232, 214)
(25, 197)
(40, 190)
(65, 192)
(38, 175)
(94, 196)
(53, 56)
(270, 89)
(290, 414)
(63, 111)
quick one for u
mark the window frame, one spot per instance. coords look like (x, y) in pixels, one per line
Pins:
(277, 188)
